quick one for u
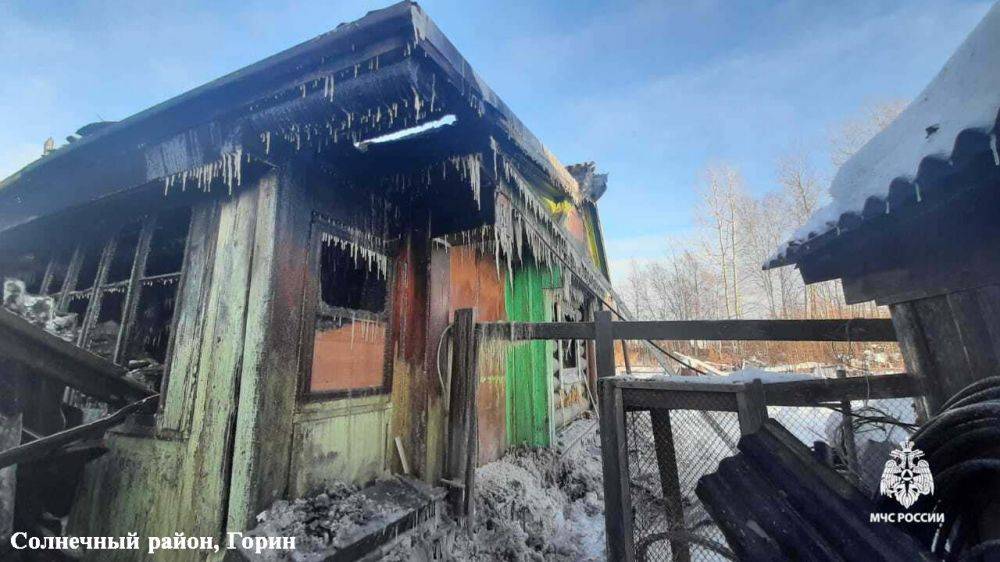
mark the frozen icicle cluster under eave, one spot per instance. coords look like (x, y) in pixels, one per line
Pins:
(963, 98)
(359, 245)
(228, 168)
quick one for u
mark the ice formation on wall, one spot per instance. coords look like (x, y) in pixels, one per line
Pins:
(228, 168)
(359, 245)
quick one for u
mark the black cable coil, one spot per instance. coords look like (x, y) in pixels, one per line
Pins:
(962, 446)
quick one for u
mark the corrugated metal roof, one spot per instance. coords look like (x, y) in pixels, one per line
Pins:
(951, 125)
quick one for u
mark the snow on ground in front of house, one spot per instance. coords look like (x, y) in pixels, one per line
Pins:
(964, 95)
(320, 523)
(531, 505)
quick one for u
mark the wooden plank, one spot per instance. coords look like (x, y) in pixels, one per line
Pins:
(847, 433)
(916, 354)
(472, 438)
(644, 398)
(614, 462)
(847, 330)
(706, 383)
(269, 364)
(45, 355)
(811, 392)
(212, 431)
(751, 407)
(674, 394)
(840, 330)
(38, 448)
(666, 462)
(181, 371)
(438, 308)
(604, 346)
(952, 370)
(460, 402)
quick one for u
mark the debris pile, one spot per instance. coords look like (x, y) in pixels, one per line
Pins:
(321, 522)
(531, 505)
(147, 372)
(39, 310)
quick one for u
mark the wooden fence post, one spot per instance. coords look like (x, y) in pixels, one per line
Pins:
(751, 407)
(604, 344)
(614, 461)
(847, 430)
(666, 461)
(462, 443)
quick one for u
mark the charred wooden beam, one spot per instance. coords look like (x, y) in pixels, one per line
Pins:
(462, 441)
(43, 354)
(835, 330)
(52, 443)
(799, 509)
(717, 394)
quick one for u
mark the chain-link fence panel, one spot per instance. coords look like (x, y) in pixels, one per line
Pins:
(853, 437)
(668, 451)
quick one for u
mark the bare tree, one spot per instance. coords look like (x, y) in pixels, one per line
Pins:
(721, 194)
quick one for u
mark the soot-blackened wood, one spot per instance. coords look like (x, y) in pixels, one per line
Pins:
(847, 330)
(774, 501)
(847, 432)
(840, 330)
(614, 462)
(604, 344)
(472, 437)
(51, 443)
(825, 499)
(462, 404)
(812, 392)
(716, 494)
(777, 522)
(666, 462)
(751, 407)
(43, 354)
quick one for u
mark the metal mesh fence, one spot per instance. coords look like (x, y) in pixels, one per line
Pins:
(857, 444)
(668, 451)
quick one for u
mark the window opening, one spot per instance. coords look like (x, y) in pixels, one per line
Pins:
(350, 327)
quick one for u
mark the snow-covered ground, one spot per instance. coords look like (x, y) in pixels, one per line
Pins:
(548, 504)
(531, 505)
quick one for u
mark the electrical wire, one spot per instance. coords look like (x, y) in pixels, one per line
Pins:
(599, 298)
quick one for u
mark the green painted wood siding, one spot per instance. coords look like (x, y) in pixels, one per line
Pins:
(527, 364)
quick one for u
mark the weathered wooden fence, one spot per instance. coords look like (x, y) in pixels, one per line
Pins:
(659, 436)
(639, 417)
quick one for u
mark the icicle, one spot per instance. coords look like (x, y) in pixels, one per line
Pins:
(993, 145)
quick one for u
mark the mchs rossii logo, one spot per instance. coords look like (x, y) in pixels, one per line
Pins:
(905, 478)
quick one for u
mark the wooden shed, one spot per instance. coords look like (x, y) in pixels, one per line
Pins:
(281, 250)
(915, 222)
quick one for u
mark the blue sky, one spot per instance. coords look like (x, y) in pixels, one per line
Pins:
(651, 91)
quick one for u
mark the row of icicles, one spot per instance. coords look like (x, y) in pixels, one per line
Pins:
(359, 246)
(228, 167)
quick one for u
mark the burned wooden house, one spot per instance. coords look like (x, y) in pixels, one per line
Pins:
(277, 255)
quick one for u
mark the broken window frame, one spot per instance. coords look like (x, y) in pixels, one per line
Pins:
(321, 225)
(132, 285)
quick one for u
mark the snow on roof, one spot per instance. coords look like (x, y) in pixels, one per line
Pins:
(964, 95)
